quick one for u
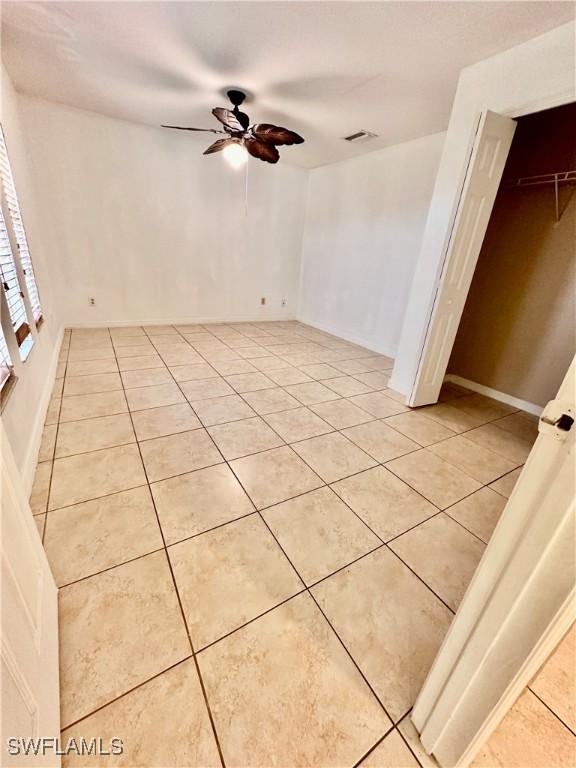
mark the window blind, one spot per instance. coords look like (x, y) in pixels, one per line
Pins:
(11, 286)
(18, 229)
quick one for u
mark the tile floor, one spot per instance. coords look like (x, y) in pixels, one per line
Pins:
(259, 548)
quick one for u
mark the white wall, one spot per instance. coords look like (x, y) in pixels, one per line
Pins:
(364, 224)
(24, 412)
(535, 75)
(137, 218)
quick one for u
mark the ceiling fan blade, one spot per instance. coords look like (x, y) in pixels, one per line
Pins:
(262, 150)
(182, 128)
(273, 134)
(218, 146)
(228, 119)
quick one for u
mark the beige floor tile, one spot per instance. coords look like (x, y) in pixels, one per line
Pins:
(483, 407)
(288, 670)
(384, 502)
(148, 378)
(297, 424)
(391, 753)
(311, 393)
(46, 451)
(159, 422)
(451, 417)
(274, 476)
(440, 482)
(140, 363)
(78, 407)
(389, 621)
(58, 388)
(249, 382)
(346, 386)
(353, 367)
(478, 462)
(241, 438)
(87, 367)
(479, 512)
(285, 376)
(229, 576)
(380, 441)
(420, 428)
(374, 379)
(41, 488)
(128, 340)
(89, 537)
(443, 554)
(53, 411)
(505, 485)
(341, 413)
(180, 356)
(196, 502)
(333, 456)
(521, 424)
(95, 353)
(90, 384)
(144, 720)
(504, 443)
(179, 453)
(154, 397)
(319, 533)
(93, 434)
(271, 400)
(253, 351)
(228, 367)
(106, 621)
(269, 364)
(92, 475)
(40, 521)
(194, 372)
(529, 736)
(379, 405)
(407, 729)
(450, 391)
(220, 410)
(141, 350)
(321, 371)
(203, 389)
(555, 684)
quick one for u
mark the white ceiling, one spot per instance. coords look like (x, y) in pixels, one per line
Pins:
(324, 69)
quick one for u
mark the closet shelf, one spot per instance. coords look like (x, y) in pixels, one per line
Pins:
(545, 179)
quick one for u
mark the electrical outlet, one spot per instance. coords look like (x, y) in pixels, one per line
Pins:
(283, 303)
(263, 300)
(92, 302)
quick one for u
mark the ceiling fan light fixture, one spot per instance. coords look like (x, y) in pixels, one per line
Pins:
(235, 155)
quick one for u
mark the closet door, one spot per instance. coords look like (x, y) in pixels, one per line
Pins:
(29, 628)
(489, 153)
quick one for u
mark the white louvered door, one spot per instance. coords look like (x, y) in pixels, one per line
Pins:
(29, 626)
(493, 139)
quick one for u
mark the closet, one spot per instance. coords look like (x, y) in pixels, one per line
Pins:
(517, 333)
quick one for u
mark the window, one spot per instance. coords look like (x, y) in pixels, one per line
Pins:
(18, 230)
(5, 362)
(13, 292)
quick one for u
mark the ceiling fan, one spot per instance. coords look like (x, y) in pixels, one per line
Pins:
(261, 140)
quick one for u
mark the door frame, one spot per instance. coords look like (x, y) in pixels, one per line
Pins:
(519, 604)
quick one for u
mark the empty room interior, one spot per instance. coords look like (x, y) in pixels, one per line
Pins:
(288, 391)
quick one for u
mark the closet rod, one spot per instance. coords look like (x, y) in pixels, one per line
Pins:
(561, 177)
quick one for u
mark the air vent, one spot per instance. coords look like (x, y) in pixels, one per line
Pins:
(360, 136)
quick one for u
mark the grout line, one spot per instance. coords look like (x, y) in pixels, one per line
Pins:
(549, 708)
(358, 763)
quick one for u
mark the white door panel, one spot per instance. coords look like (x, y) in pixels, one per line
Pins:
(493, 139)
(29, 625)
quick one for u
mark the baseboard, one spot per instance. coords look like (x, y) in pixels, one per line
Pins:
(388, 351)
(516, 402)
(31, 456)
(182, 321)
